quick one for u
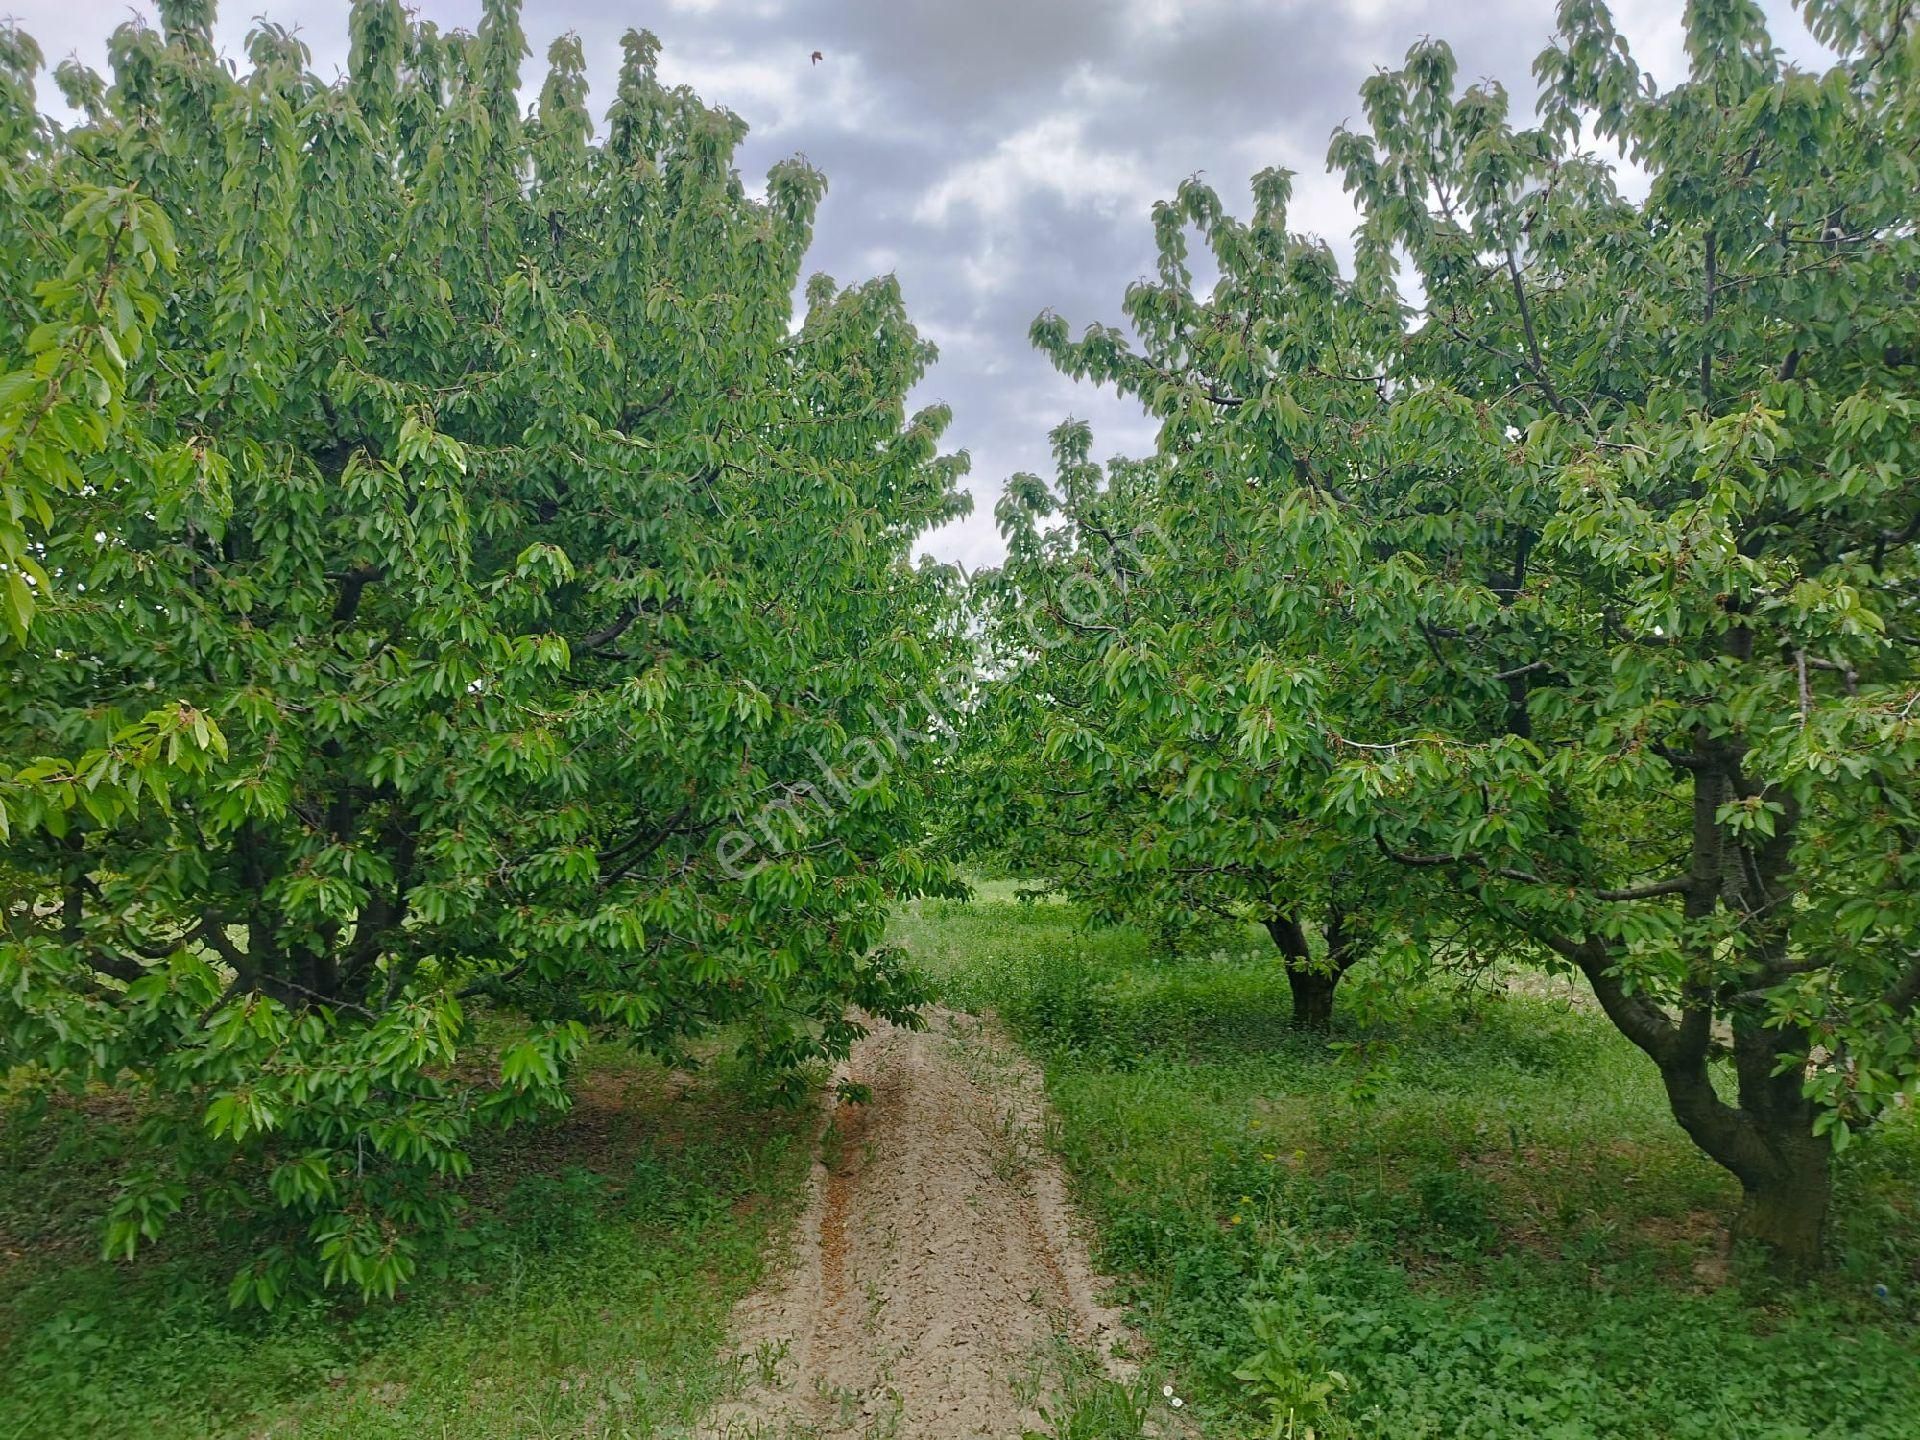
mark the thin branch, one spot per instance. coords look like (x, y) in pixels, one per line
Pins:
(1388, 745)
(1526, 669)
(1677, 885)
(1706, 322)
(1538, 365)
(1905, 992)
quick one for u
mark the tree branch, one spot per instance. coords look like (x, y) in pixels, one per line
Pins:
(1518, 671)
(1537, 364)
(1706, 322)
(1636, 1017)
(1904, 994)
(353, 585)
(600, 639)
(1677, 885)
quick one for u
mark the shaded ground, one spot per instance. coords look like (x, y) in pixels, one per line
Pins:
(587, 1295)
(936, 1288)
(1467, 1211)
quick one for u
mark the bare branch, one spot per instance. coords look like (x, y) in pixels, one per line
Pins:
(1677, 885)
(1535, 363)
(1526, 669)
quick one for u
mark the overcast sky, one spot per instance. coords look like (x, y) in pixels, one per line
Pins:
(1001, 156)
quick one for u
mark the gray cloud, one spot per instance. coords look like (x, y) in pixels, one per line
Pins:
(1000, 156)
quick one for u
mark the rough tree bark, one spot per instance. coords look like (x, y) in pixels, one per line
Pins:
(1766, 1137)
(1313, 982)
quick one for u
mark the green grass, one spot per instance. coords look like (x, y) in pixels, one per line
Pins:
(589, 1298)
(1467, 1213)
(1470, 1208)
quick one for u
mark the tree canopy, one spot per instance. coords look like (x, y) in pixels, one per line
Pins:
(1560, 553)
(432, 547)
(1131, 789)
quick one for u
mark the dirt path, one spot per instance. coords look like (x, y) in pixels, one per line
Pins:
(936, 1284)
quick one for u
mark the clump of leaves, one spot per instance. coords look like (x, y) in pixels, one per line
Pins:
(1285, 1372)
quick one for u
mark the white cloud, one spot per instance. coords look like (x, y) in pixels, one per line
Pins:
(1156, 19)
(1053, 155)
(1092, 87)
(778, 93)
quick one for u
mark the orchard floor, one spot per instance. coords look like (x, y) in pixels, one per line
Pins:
(936, 1286)
(588, 1298)
(1466, 1212)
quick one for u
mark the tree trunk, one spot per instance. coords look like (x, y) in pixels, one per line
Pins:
(1785, 1210)
(1766, 1140)
(1786, 1213)
(1312, 983)
(1312, 997)
(1768, 1143)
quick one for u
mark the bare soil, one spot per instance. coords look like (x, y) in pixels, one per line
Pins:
(935, 1279)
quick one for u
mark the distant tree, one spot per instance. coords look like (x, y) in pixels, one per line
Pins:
(490, 555)
(1133, 789)
(1575, 566)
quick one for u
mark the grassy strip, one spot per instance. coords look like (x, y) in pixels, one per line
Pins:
(1470, 1215)
(589, 1297)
